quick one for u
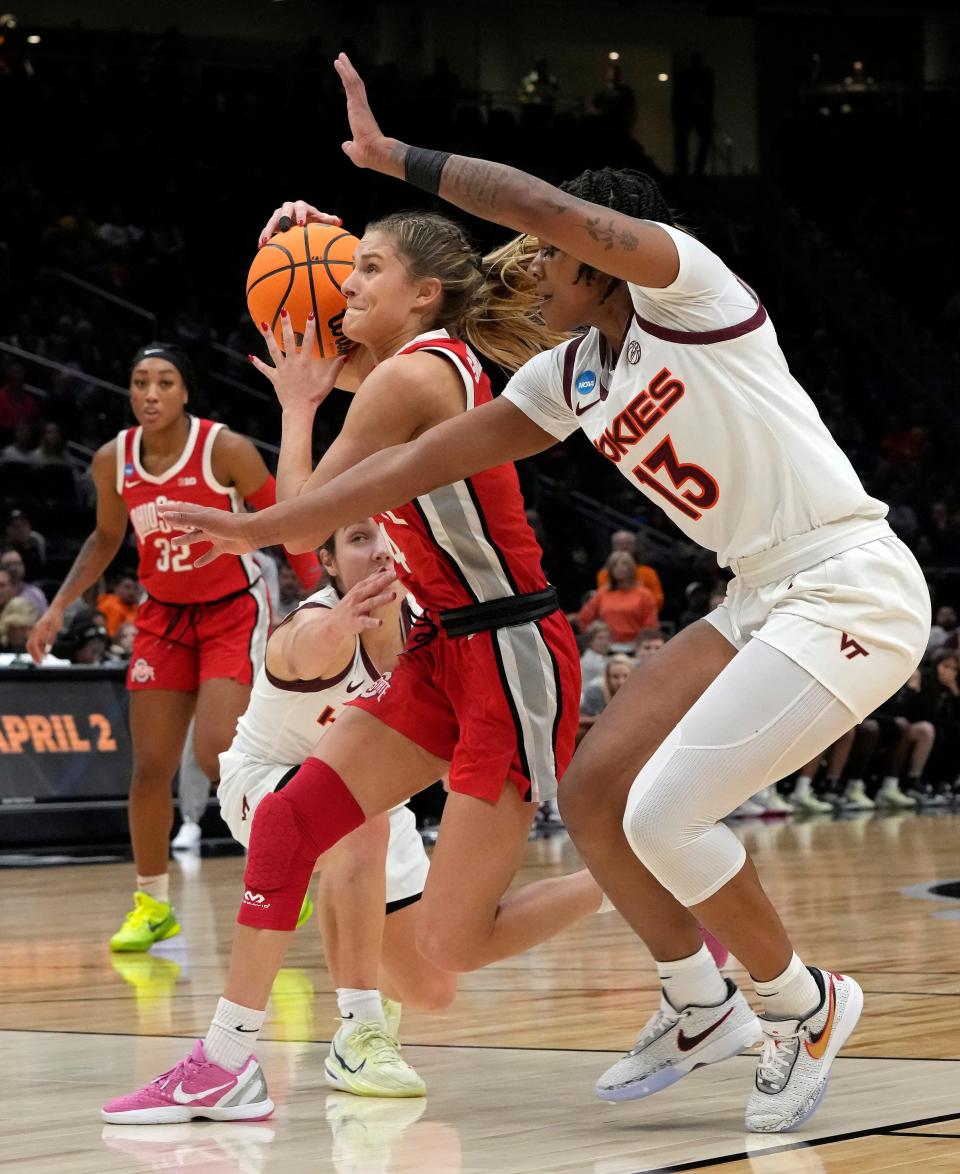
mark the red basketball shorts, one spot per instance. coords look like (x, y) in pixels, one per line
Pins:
(497, 705)
(181, 647)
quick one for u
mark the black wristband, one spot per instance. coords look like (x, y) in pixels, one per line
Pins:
(424, 168)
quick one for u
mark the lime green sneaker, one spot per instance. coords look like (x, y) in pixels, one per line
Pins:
(366, 1061)
(147, 922)
(306, 910)
(392, 1011)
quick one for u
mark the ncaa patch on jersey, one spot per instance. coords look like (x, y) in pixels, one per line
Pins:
(128, 470)
(586, 382)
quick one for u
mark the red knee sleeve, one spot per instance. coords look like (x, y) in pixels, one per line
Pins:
(290, 830)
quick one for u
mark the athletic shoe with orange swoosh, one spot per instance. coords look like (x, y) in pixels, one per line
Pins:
(794, 1066)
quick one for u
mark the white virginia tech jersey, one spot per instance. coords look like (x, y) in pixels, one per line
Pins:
(285, 719)
(700, 412)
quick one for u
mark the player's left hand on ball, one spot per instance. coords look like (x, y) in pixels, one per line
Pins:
(299, 378)
(225, 532)
(297, 212)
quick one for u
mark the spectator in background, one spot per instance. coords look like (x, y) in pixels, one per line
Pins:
(626, 540)
(16, 621)
(85, 642)
(52, 449)
(7, 589)
(539, 87)
(598, 695)
(692, 111)
(944, 627)
(940, 694)
(615, 101)
(122, 645)
(17, 405)
(624, 605)
(120, 605)
(32, 546)
(11, 561)
(594, 657)
(290, 592)
(649, 643)
(697, 596)
(20, 449)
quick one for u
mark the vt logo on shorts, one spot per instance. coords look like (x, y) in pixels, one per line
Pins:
(851, 647)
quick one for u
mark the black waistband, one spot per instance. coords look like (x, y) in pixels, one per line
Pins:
(207, 602)
(499, 613)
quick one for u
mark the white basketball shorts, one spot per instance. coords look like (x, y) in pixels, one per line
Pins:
(244, 781)
(858, 622)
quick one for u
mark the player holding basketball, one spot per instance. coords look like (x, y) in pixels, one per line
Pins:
(680, 382)
(334, 646)
(200, 634)
(488, 687)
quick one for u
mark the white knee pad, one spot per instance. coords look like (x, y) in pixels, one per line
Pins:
(694, 779)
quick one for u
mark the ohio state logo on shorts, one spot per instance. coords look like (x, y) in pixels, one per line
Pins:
(141, 671)
(378, 688)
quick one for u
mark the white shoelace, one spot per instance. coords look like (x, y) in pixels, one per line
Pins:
(660, 1023)
(776, 1057)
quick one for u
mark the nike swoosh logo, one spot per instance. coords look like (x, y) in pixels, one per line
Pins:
(581, 408)
(686, 1042)
(239, 1028)
(344, 1064)
(352, 688)
(186, 1098)
(153, 927)
(131, 484)
(817, 1044)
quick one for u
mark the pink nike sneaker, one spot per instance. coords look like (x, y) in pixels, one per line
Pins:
(196, 1087)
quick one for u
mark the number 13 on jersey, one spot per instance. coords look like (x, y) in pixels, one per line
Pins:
(703, 492)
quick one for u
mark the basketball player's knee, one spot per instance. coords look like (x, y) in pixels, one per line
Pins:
(586, 805)
(447, 949)
(279, 866)
(924, 732)
(432, 991)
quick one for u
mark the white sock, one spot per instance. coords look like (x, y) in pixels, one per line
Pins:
(359, 1006)
(890, 783)
(233, 1034)
(157, 887)
(693, 981)
(791, 995)
(801, 788)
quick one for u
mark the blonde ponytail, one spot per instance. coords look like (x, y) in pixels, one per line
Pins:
(502, 321)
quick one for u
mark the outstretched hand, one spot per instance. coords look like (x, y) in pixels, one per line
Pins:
(354, 613)
(226, 532)
(369, 147)
(299, 378)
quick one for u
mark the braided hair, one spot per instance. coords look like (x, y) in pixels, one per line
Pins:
(625, 190)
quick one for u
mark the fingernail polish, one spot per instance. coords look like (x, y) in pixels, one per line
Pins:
(283, 313)
(301, 223)
(310, 316)
(249, 358)
(264, 326)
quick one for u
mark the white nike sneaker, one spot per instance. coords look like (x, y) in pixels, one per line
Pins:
(772, 802)
(794, 1066)
(367, 1062)
(673, 1043)
(187, 838)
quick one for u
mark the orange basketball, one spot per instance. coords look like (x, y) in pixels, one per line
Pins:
(301, 270)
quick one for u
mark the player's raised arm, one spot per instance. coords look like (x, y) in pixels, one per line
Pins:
(490, 435)
(622, 246)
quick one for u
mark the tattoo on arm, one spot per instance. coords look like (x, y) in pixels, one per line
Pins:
(608, 236)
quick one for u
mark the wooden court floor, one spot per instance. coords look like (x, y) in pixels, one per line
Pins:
(510, 1067)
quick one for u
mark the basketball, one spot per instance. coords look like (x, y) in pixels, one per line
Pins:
(301, 270)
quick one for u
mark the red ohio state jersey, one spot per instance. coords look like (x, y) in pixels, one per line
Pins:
(167, 571)
(468, 542)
